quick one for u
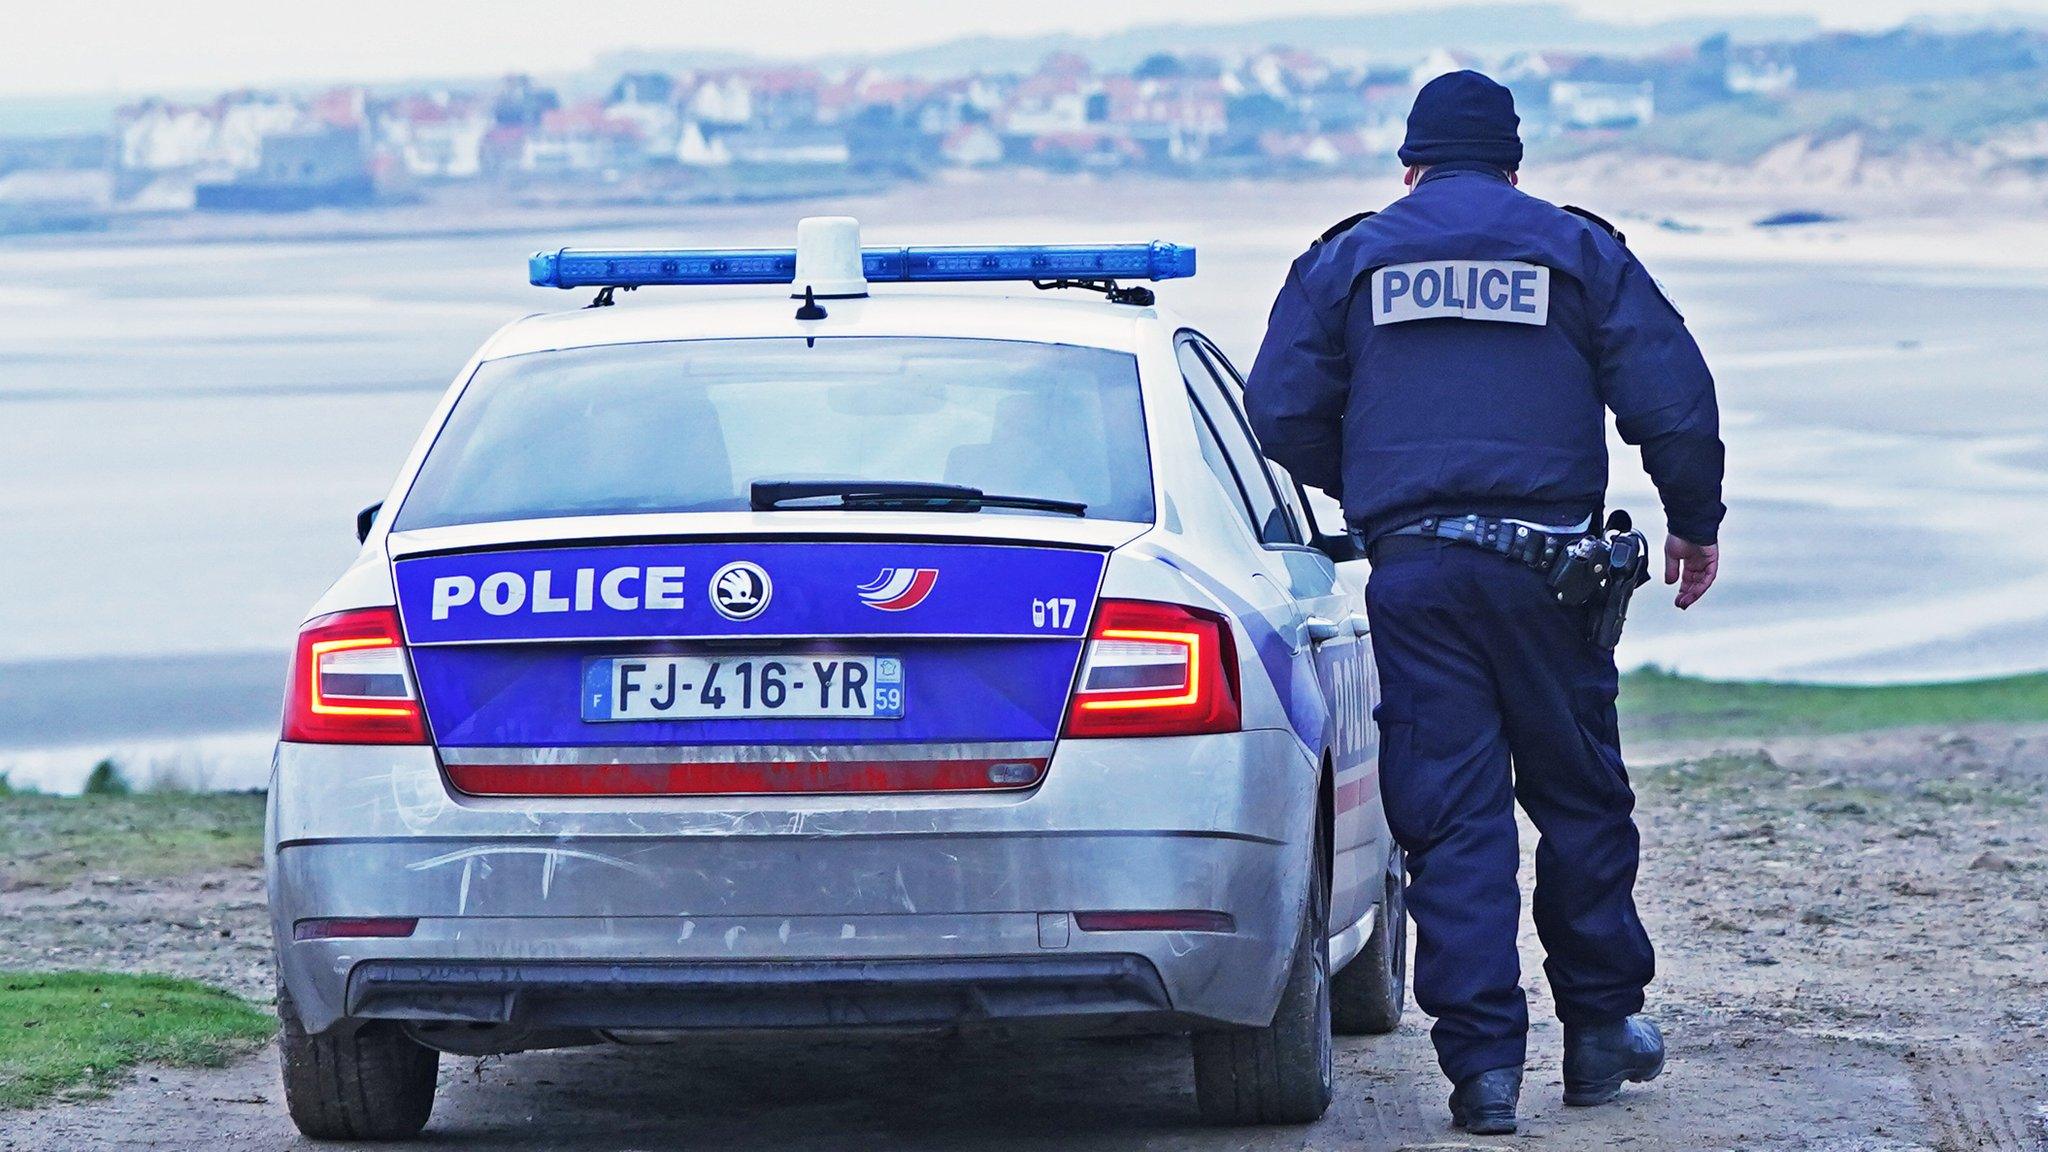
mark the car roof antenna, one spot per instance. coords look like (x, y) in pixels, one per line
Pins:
(810, 309)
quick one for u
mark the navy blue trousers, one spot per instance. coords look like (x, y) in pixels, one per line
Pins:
(1491, 695)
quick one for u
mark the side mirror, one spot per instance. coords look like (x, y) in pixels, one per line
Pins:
(366, 519)
(1340, 549)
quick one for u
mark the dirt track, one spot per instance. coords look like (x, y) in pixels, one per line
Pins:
(1854, 955)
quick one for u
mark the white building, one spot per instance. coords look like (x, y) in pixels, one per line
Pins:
(697, 150)
(725, 101)
(972, 146)
(221, 138)
(165, 137)
(243, 124)
(437, 138)
(1761, 77)
(1599, 104)
(1044, 114)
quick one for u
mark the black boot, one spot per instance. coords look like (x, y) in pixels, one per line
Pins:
(1484, 1105)
(1599, 1059)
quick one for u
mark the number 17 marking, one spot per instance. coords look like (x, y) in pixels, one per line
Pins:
(1057, 612)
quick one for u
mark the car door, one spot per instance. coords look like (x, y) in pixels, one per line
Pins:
(1334, 621)
(1361, 818)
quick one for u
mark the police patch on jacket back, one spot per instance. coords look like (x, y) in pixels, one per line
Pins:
(1504, 291)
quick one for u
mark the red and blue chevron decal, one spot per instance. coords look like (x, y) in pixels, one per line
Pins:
(899, 589)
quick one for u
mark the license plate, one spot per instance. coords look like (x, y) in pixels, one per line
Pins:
(741, 687)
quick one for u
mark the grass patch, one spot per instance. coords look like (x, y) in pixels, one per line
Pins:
(53, 839)
(65, 1031)
(1661, 704)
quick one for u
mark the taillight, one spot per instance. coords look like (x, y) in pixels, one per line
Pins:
(351, 684)
(1156, 670)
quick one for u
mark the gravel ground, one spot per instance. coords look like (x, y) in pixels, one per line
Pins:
(211, 927)
(1854, 955)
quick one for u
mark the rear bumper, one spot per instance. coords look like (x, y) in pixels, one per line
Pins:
(758, 994)
(948, 909)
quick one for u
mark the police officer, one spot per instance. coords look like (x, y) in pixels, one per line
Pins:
(1443, 367)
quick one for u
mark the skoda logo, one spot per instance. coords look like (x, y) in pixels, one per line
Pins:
(740, 590)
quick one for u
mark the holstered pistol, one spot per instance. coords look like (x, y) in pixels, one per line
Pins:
(1628, 568)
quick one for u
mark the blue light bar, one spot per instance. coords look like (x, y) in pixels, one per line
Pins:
(642, 267)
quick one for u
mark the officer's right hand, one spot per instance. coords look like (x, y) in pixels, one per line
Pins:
(1690, 566)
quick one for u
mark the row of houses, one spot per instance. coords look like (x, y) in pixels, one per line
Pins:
(1280, 108)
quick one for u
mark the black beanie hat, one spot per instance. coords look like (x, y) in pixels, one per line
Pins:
(1463, 116)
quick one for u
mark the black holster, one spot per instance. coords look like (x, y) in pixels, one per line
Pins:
(1600, 574)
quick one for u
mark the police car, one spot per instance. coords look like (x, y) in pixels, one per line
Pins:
(834, 660)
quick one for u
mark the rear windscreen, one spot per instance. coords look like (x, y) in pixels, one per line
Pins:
(688, 426)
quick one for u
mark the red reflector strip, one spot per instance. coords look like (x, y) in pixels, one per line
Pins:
(1155, 922)
(729, 779)
(1357, 792)
(347, 928)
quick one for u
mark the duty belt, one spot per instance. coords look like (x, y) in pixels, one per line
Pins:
(1531, 547)
(1596, 572)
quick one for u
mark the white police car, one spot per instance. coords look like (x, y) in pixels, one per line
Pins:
(897, 660)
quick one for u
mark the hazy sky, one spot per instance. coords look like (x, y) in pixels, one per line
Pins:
(104, 47)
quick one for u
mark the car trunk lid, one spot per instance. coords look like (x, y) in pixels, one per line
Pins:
(748, 665)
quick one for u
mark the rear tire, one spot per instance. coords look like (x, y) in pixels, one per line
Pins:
(1282, 1073)
(1367, 997)
(370, 1082)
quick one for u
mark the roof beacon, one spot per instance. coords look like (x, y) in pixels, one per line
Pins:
(828, 259)
(828, 262)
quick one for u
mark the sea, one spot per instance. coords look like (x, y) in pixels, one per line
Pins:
(191, 417)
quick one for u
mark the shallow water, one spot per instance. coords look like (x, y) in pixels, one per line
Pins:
(187, 430)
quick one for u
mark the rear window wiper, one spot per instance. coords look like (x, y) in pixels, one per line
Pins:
(896, 496)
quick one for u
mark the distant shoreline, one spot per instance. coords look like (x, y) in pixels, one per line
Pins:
(1656, 189)
(75, 700)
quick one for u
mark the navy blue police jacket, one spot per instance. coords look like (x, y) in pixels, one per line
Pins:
(1454, 353)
